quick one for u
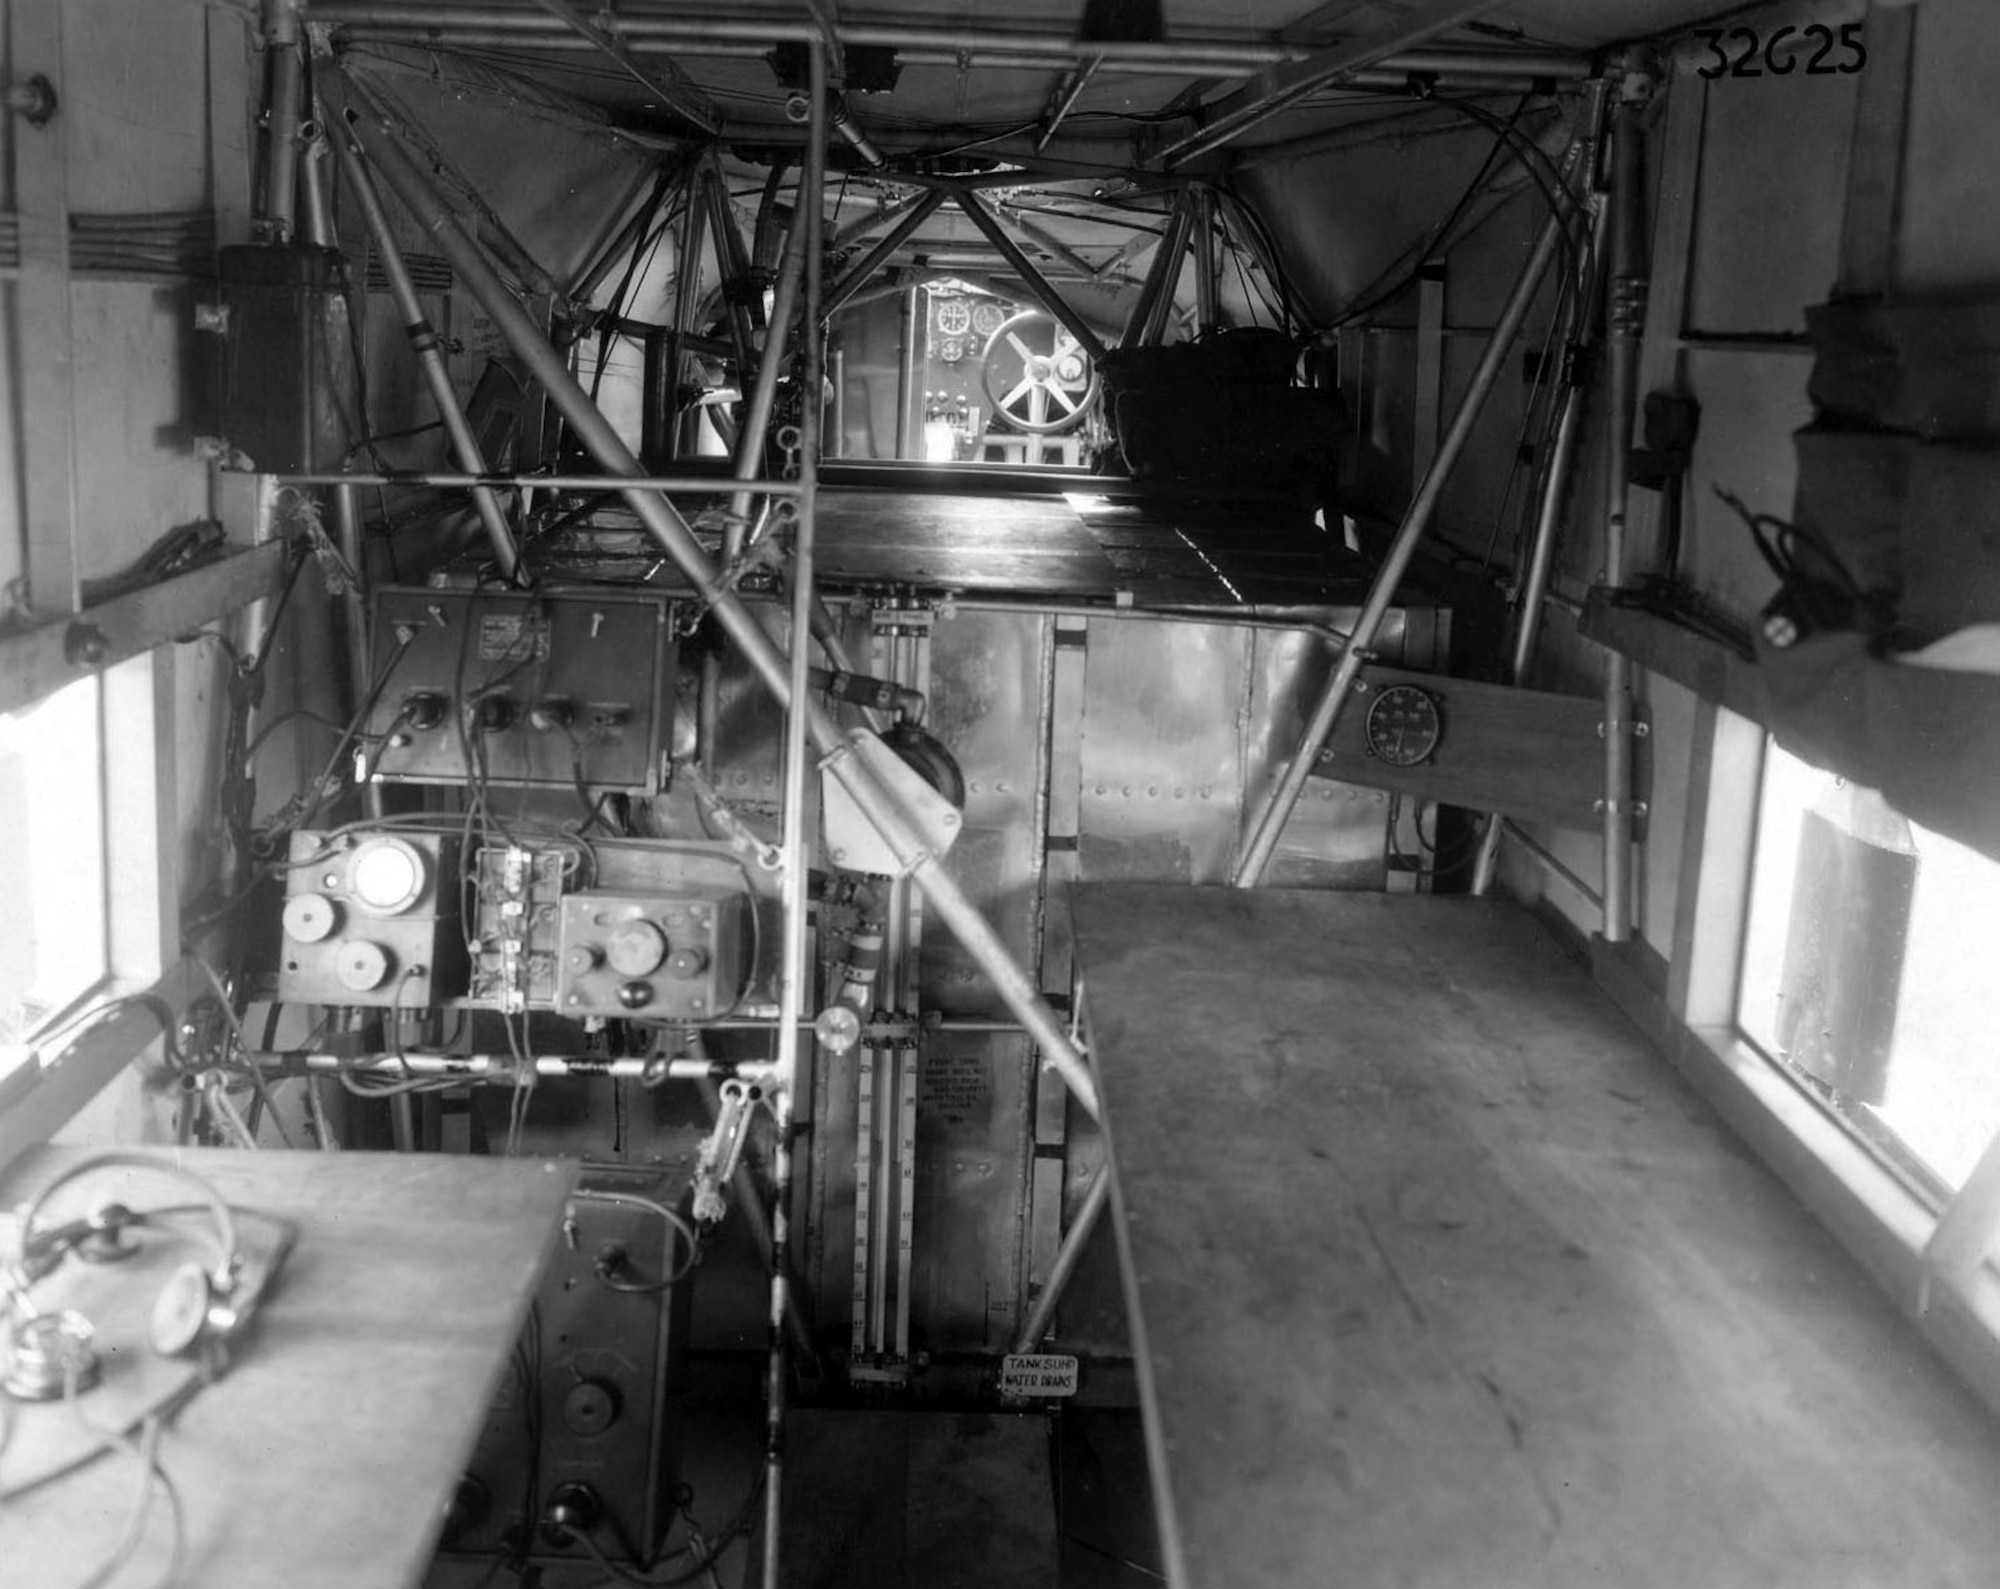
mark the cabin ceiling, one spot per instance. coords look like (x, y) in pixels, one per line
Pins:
(942, 95)
(974, 88)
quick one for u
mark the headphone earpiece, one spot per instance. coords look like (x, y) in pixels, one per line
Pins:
(193, 1315)
(181, 1312)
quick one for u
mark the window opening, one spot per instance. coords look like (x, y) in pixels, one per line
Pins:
(1867, 968)
(54, 931)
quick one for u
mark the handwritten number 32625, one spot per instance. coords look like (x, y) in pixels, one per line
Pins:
(1814, 45)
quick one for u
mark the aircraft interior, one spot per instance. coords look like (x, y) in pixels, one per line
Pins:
(1129, 792)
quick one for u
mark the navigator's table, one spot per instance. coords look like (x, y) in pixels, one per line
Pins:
(1440, 1278)
(325, 1458)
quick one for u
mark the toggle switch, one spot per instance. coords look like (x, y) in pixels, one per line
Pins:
(424, 710)
(552, 715)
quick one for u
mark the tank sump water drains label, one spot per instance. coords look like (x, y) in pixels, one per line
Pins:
(1038, 1374)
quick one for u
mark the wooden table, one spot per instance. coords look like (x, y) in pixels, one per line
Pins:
(1440, 1277)
(325, 1457)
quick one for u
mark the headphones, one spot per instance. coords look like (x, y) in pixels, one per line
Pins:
(194, 1316)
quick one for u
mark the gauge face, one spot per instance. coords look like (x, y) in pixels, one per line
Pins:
(987, 317)
(951, 350)
(385, 876)
(1404, 726)
(954, 317)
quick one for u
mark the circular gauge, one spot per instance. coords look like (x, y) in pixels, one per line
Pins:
(1404, 726)
(954, 317)
(987, 318)
(951, 350)
(386, 876)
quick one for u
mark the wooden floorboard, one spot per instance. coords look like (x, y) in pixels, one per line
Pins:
(1447, 1280)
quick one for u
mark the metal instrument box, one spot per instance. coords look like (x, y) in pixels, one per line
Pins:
(371, 918)
(511, 688)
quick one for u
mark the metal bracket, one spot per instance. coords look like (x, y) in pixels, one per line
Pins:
(722, 1152)
(902, 620)
(852, 841)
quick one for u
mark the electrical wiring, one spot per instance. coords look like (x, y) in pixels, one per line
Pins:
(429, 822)
(1375, 297)
(675, 1222)
(524, 1082)
(1014, 131)
(236, 659)
(150, 1422)
(1269, 254)
(352, 1080)
(325, 784)
(593, 815)
(691, 1561)
(1539, 418)
(300, 713)
(1451, 857)
(256, 1071)
(321, 1127)
(1243, 280)
(1530, 155)
(177, 1061)
(163, 1407)
(641, 261)
(151, 1477)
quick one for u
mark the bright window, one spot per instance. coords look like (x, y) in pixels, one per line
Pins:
(1869, 967)
(54, 928)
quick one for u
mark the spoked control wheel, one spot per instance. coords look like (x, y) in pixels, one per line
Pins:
(1037, 376)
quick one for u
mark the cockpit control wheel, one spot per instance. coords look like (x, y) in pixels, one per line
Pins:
(1037, 376)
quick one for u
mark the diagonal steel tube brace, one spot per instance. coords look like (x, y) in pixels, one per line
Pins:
(1024, 267)
(878, 804)
(430, 359)
(1326, 711)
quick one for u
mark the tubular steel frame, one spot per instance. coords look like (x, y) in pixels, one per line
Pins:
(807, 722)
(1284, 796)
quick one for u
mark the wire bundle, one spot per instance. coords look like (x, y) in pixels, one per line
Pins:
(163, 244)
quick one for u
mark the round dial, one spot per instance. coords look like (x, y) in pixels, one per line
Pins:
(987, 318)
(951, 349)
(385, 876)
(1404, 726)
(362, 966)
(635, 948)
(954, 317)
(310, 918)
